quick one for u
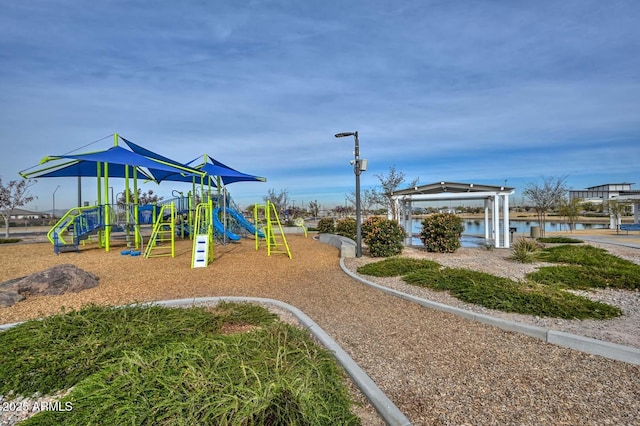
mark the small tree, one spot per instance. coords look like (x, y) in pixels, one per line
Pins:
(545, 197)
(441, 232)
(15, 194)
(341, 211)
(570, 209)
(592, 207)
(143, 197)
(368, 199)
(390, 184)
(616, 210)
(279, 199)
(314, 208)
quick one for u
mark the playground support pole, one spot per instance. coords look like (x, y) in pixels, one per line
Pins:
(224, 215)
(107, 210)
(127, 205)
(136, 213)
(99, 195)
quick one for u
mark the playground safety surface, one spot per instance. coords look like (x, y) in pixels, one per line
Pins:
(437, 368)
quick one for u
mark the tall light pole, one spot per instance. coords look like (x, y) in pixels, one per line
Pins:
(357, 170)
(54, 201)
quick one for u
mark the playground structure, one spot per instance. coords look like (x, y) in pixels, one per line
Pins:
(205, 214)
(167, 220)
(276, 242)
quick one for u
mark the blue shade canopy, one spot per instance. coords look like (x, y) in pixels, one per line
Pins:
(228, 175)
(118, 158)
(119, 155)
(162, 175)
(85, 169)
(208, 165)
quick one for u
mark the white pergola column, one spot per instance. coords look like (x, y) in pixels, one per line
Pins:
(486, 219)
(505, 219)
(635, 212)
(407, 214)
(614, 222)
(496, 221)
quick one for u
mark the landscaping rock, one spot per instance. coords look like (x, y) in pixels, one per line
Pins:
(56, 280)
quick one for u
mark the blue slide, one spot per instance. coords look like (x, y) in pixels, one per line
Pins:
(244, 222)
(219, 227)
(237, 217)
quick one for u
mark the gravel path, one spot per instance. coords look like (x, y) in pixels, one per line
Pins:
(437, 368)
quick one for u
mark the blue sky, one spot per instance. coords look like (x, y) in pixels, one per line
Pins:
(463, 91)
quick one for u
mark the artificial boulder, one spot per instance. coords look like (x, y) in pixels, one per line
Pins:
(57, 280)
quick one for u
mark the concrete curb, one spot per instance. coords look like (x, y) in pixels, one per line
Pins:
(573, 341)
(8, 326)
(383, 405)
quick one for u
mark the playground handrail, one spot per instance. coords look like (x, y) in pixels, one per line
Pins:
(63, 223)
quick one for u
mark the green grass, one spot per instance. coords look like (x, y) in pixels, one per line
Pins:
(156, 365)
(586, 267)
(584, 256)
(509, 296)
(560, 240)
(543, 293)
(395, 266)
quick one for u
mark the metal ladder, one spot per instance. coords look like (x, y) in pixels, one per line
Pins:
(164, 230)
(274, 234)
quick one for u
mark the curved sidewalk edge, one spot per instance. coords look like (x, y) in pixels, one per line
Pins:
(560, 338)
(383, 405)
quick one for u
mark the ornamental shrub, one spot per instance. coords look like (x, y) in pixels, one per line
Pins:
(383, 237)
(346, 227)
(326, 225)
(441, 232)
(369, 224)
(524, 250)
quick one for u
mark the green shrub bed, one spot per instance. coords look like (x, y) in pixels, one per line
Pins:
(163, 366)
(543, 293)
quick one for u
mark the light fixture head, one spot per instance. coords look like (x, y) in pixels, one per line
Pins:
(344, 134)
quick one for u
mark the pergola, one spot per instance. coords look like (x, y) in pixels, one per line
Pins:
(493, 197)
